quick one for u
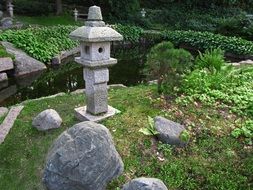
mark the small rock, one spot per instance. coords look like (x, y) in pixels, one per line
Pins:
(145, 184)
(235, 64)
(78, 91)
(169, 131)
(116, 86)
(3, 111)
(247, 62)
(48, 119)
(152, 82)
(56, 60)
(7, 22)
(83, 157)
(3, 77)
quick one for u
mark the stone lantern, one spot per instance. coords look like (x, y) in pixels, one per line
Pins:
(10, 9)
(75, 14)
(143, 13)
(95, 41)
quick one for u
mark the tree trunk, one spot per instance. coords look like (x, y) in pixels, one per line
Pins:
(58, 7)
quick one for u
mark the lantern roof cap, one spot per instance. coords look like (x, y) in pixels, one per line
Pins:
(95, 29)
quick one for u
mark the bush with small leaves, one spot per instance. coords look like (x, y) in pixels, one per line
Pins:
(164, 63)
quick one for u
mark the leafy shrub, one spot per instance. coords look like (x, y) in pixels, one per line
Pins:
(130, 33)
(213, 60)
(152, 36)
(166, 63)
(207, 40)
(41, 43)
(229, 88)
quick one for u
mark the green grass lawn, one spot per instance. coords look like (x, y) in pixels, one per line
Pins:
(49, 20)
(212, 160)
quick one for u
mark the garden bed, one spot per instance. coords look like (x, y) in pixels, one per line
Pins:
(44, 43)
(212, 160)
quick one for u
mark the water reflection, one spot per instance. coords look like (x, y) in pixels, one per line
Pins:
(69, 77)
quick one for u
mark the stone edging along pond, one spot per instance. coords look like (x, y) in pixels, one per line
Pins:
(23, 64)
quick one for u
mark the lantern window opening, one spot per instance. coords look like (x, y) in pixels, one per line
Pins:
(87, 49)
(100, 50)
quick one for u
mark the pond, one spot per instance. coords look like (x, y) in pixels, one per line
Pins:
(69, 76)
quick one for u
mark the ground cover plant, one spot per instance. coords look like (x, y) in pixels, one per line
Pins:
(213, 160)
(130, 33)
(42, 43)
(207, 40)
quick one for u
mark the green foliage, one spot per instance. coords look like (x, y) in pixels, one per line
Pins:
(130, 33)
(245, 131)
(230, 88)
(152, 36)
(185, 136)
(224, 87)
(150, 129)
(3, 52)
(207, 40)
(213, 60)
(41, 43)
(31, 7)
(165, 63)
(166, 149)
(200, 165)
(123, 9)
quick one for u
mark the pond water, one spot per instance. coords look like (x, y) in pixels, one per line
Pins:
(69, 77)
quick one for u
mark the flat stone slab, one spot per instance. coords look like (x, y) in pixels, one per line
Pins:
(82, 115)
(6, 64)
(245, 62)
(24, 64)
(9, 122)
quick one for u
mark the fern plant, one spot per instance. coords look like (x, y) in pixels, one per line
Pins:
(213, 60)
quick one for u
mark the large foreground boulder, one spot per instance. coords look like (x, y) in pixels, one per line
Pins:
(145, 184)
(82, 158)
(23, 64)
(48, 119)
(169, 131)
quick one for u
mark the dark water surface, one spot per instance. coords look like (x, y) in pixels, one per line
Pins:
(69, 77)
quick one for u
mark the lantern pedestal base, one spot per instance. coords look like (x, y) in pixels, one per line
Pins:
(82, 115)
